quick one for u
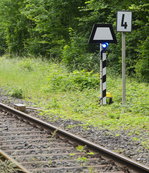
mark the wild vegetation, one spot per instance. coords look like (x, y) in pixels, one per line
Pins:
(75, 95)
(7, 166)
(59, 29)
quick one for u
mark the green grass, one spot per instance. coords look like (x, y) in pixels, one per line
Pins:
(75, 95)
(6, 166)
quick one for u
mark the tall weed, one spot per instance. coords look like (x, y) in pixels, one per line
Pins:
(76, 80)
(26, 64)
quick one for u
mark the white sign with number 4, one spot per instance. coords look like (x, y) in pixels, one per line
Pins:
(124, 21)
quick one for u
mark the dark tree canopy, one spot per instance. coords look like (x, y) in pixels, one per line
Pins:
(59, 29)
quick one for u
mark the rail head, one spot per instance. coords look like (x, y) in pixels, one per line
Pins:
(140, 168)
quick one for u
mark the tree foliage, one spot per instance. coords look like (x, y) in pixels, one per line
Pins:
(60, 29)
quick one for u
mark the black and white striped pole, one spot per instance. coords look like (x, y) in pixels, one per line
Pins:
(102, 34)
(103, 62)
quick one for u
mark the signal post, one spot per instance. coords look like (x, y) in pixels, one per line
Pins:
(102, 34)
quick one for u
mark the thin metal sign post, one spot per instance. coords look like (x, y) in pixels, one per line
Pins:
(102, 34)
(123, 69)
(124, 24)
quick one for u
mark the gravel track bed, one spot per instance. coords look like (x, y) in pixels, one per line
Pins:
(40, 157)
(121, 143)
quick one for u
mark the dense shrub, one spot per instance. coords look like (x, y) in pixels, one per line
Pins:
(142, 65)
(71, 81)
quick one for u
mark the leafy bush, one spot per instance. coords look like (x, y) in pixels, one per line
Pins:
(73, 53)
(142, 65)
(142, 69)
(71, 81)
(17, 93)
(75, 56)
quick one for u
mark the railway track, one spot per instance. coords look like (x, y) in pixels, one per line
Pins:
(43, 148)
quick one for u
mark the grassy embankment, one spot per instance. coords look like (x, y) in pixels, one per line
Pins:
(75, 95)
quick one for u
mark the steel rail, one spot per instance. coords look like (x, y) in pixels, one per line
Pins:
(140, 168)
